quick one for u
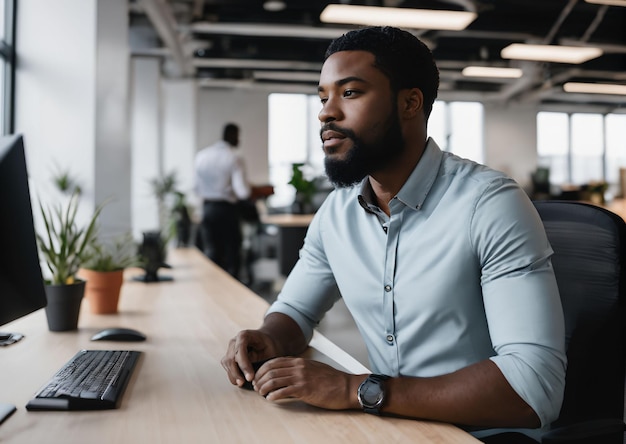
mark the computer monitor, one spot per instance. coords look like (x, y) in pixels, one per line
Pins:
(21, 282)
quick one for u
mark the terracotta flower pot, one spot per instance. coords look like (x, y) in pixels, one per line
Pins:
(102, 290)
(63, 305)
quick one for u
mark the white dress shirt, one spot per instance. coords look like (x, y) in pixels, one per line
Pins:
(220, 174)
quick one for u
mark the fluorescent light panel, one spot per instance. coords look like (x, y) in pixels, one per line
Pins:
(491, 71)
(594, 88)
(399, 17)
(608, 2)
(550, 53)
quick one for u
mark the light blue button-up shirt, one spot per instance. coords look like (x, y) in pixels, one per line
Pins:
(460, 272)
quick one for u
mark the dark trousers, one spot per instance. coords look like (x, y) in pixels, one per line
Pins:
(221, 235)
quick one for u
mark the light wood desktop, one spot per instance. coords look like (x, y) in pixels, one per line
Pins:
(179, 392)
(618, 206)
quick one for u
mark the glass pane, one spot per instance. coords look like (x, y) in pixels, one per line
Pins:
(3, 108)
(615, 125)
(552, 145)
(3, 7)
(437, 128)
(587, 148)
(315, 152)
(466, 130)
(287, 144)
(552, 134)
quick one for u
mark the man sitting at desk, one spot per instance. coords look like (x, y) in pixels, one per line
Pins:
(443, 263)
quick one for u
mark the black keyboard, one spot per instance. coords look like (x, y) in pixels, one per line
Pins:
(91, 380)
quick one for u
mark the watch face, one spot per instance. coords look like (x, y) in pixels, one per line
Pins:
(371, 393)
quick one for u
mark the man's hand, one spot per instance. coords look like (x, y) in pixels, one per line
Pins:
(247, 347)
(309, 381)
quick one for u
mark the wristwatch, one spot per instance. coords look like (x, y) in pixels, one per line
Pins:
(371, 393)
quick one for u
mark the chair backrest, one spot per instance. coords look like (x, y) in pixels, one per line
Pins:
(589, 246)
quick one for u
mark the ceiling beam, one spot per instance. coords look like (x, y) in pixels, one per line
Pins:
(164, 22)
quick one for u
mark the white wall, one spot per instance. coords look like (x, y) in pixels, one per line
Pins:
(112, 143)
(145, 105)
(511, 140)
(71, 99)
(248, 109)
(180, 130)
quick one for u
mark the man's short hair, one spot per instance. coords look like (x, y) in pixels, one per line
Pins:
(230, 129)
(402, 57)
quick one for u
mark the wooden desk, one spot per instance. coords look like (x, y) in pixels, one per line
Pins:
(291, 231)
(618, 206)
(179, 392)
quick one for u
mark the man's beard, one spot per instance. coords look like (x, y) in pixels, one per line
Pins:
(364, 158)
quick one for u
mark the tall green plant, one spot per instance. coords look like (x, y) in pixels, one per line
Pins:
(64, 244)
(117, 255)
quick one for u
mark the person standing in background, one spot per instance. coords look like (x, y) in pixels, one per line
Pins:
(220, 181)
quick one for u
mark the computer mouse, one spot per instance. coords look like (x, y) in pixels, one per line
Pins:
(119, 334)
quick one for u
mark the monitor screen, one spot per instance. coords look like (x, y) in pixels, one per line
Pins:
(21, 282)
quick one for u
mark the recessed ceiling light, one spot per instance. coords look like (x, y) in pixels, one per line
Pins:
(550, 53)
(399, 17)
(594, 88)
(491, 71)
(274, 5)
(608, 2)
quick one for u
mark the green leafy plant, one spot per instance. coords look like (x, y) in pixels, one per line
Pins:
(306, 188)
(164, 189)
(64, 244)
(66, 183)
(117, 255)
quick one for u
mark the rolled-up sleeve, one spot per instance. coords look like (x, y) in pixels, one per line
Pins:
(310, 286)
(521, 297)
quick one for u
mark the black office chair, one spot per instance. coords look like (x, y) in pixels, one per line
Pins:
(589, 246)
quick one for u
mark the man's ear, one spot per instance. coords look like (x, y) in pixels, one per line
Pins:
(410, 102)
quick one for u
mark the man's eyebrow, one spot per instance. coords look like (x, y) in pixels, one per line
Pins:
(343, 81)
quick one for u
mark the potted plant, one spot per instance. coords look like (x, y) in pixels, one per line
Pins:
(103, 271)
(64, 247)
(305, 189)
(595, 192)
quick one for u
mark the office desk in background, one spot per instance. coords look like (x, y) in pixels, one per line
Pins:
(618, 206)
(179, 392)
(291, 231)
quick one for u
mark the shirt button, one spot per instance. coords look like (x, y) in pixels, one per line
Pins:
(390, 339)
(387, 288)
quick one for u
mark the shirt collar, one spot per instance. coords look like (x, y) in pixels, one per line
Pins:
(414, 191)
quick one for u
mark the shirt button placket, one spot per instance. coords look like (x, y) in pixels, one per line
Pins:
(389, 337)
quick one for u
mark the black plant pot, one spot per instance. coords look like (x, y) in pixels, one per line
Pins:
(64, 305)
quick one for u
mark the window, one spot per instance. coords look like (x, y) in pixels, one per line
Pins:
(615, 157)
(553, 145)
(581, 147)
(458, 127)
(294, 137)
(7, 64)
(587, 142)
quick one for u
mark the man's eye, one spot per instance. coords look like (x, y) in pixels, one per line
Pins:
(323, 100)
